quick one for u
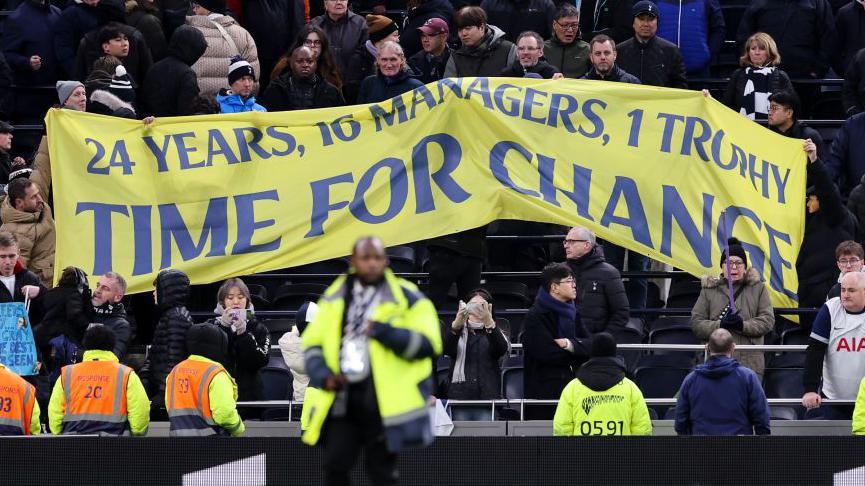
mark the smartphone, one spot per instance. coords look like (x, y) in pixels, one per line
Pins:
(474, 308)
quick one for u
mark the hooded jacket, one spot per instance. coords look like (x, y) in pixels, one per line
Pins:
(36, 238)
(601, 298)
(853, 90)
(409, 37)
(722, 397)
(601, 401)
(113, 316)
(753, 305)
(803, 30)
(169, 337)
(104, 103)
(67, 312)
(146, 19)
(488, 58)
(171, 85)
(572, 60)
(345, 36)
(517, 16)
(850, 34)
(287, 93)
(616, 74)
(234, 103)
(212, 67)
(137, 63)
(656, 62)
(824, 230)
(27, 31)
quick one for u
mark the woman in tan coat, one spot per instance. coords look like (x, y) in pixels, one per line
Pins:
(753, 317)
(225, 39)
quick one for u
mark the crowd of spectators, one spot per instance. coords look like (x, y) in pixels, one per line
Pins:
(142, 59)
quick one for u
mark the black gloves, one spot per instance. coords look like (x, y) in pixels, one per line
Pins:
(732, 321)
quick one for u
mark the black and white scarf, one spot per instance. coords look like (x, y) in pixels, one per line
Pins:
(758, 87)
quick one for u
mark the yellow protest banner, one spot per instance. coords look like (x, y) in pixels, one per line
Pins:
(647, 168)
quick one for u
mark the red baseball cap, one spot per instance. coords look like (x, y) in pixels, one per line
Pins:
(434, 26)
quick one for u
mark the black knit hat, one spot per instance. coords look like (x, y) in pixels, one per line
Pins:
(207, 340)
(6, 127)
(734, 248)
(238, 68)
(380, 27)
(603, 345)
(215, 6)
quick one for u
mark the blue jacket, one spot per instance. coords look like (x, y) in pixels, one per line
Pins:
(233, 103)
(722, 397)
(696, 26)
(29, 31)
(377, 88)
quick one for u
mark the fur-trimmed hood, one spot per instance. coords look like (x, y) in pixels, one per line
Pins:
(105, 103)
(752, 277)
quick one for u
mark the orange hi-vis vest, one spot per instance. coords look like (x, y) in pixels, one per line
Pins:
(17, 398)
(95, 394)
(189, 399)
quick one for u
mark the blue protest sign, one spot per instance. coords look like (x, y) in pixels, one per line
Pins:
(17, 348)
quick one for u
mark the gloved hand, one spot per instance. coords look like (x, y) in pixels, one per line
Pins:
(486, 315)
(239, 323)
(461, 318)
(733, 322)
(226, 318)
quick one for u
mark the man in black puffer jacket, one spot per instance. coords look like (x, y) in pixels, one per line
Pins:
(601, 299)
(169, 338)
(171, 86)
(655, 61)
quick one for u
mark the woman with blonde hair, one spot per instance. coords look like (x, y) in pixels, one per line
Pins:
(750, 86)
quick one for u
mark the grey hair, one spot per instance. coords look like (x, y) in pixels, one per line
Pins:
(586, 234)
(396, 48)
(858, 277)
(531, 33)
(120, 281)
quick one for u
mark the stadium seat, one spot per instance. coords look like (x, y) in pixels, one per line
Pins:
(512, 383)
(796, 336)
(511, 362)
(786, 360)
(275, 358)
(443, 363)
(277, 383)
(683, 293)
(653, 296)
(784, 382)
(669, 321)
(291, 296)
(672, 335)
(509, 295)
(258, 295)
(660, 382)
(783, 413)
(278, 327)
(505, 326)
(402, 259)
(335, 266)
(637, 324)
(629, 336)
(670, 414)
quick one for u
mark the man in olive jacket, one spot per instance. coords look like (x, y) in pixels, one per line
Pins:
(752, 318)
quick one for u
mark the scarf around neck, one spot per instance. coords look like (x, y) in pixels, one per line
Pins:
(566, 312)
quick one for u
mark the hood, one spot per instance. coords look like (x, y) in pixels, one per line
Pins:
(187, 44)
(601, 374)
(752, 277)
(172, 288)
(717, 367)
(11, 215)
(206, 22)
(497, 35)
(110, 101)
(207, 340)
(226, 96)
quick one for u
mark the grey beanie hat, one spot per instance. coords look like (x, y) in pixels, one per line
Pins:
(65, 89)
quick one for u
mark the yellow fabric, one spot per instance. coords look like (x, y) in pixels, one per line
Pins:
(137, 402)
(223, 400)
(620, 410)
(395, 379)
(647, 168)
(859, 411)
(309, 398)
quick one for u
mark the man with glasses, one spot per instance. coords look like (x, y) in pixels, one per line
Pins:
(555, 343)
(783, 118)
(849, 255)
(530, 62)
(565, 50)
(600, 298)
(751, 316)
(370, 323)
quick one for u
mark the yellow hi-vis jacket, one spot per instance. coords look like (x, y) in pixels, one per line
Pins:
(859, 411)
(619, 410)
(406, 336)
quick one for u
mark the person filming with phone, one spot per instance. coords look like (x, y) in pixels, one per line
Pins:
(475, 346)
(248, 338)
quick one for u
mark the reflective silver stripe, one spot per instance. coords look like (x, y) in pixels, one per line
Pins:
(118, 390)
(171, 391)
(204, 381)
(314, 351)
(337, 294)
(10, 422)
(414, 343)
(183, 412)
(24, 425)
(405, 417)
(191, 432)
(95, 417)
(67, 385)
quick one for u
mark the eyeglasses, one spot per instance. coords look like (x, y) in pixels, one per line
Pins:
(735, 263)
(568, 27)
(573, 242)
(849, 261)
(312, 43)
(773, 107)
(567, 281)
(527, 49)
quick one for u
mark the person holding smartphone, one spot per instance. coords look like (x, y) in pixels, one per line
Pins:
(476, 346)
(248, 338)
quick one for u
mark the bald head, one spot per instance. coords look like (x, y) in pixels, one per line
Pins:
(303, 63)
(853, 291)
(579, 242)
(368, 258)
(721, 343)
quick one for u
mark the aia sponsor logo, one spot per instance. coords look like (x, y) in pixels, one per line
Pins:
(853, 345)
